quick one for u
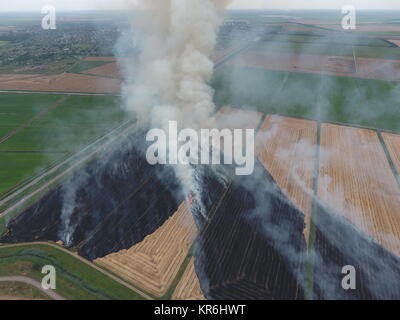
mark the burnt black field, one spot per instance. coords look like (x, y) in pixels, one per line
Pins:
(250, 244)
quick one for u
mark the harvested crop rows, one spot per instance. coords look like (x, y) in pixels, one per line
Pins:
(189, 286)
(355, 179)
(153, 264)
(286, 147)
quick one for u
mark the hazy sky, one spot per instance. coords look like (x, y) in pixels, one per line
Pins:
(36, 5)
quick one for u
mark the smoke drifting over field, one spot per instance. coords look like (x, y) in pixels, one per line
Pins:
(118, 199)
(174, 68)
(170, 78)
(304, 90)
(170, 81)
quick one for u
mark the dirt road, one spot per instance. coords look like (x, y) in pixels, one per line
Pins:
(52, 294)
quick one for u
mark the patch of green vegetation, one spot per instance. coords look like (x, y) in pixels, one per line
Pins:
(378, 53)
(3, 43)
(85, 110)
(18, 290)
(15, 109)
(15, 167)
(168, 295)
(328, 40)
(328, 49)
(82, 65)
(75, 279)
(331, 49)
(3, 226)
(52, 139)
(72, 125)
(371, 103)
(5, 130)
(379, 33)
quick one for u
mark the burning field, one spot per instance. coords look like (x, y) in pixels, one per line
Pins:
(321, 196)
(153, 260)
(154, 263)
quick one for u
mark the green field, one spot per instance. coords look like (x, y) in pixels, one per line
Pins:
(328, 48)
(371, 103)
(60, 130)
(81, 66)
(75, 279)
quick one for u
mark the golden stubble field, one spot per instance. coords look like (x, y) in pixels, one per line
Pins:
(354, 178)
(153, 264)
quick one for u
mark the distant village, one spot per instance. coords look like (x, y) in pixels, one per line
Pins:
(31, 45)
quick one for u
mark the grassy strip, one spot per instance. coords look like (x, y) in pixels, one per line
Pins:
(309, 290)
(389, 158)
(75, 279)
(3, 226)
(82, 65)
(19, 290)
(179, 275)
(362, 102)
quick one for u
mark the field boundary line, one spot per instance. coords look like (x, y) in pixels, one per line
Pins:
(182, 268)
(232, 54)
(389, 158)
(344, 124)
(60, 175)
(309, 290)
(67, 156)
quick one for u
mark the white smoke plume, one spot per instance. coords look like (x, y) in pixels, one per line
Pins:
(171, 76)
(174, 67)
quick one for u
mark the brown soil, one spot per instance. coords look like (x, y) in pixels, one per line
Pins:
(342, 66)
(10, 298)
(108, 70)
(66, 82)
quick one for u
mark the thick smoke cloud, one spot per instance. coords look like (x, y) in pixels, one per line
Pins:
(174, 67)
(170, 80)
